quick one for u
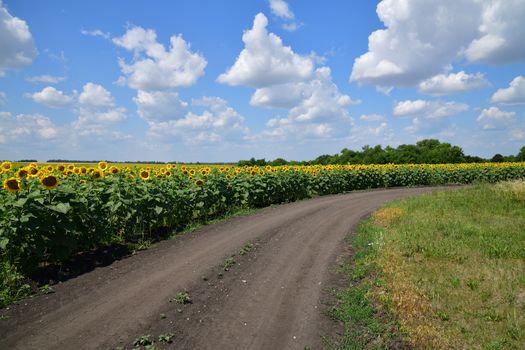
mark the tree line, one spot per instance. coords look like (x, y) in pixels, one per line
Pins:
(429, 151)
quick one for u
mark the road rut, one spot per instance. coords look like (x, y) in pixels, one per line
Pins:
(273, 301)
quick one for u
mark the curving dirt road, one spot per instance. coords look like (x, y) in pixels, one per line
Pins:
(269, 299)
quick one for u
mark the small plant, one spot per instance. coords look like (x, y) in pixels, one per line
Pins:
(166, 338)
(182, 298)
(163, 316)
(443, 316)
(228, 263)
(246, 249)
(47, 289)
(143, 341)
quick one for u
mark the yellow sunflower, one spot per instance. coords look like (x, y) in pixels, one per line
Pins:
(199, 183)
(113, 170)
(32, 171)
(22, 173)
(96, 174)
(6, 165)
(12, 184)
(103, 165)
(49, 182)
(61, 167)
(144, 175)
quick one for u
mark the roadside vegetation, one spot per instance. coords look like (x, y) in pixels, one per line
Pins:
(440, 271)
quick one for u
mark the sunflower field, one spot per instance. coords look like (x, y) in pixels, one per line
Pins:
(48, 212)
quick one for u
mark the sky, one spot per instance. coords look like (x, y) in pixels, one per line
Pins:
(219, 81)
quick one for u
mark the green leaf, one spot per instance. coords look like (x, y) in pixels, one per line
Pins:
(60, 207)
(158, 210)
(4, 242)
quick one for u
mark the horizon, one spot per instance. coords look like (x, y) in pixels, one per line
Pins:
(212, 83)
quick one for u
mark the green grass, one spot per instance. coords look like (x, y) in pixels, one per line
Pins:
(450, 267)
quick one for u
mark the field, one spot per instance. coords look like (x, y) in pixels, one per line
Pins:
(448, 268)
(49, 212)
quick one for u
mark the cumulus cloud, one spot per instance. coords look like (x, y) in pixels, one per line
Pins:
(3, 98)
(501, 33)
(280, 8)
(26, 128)
(452, 83)
(159, 106)
(94, 95)
(217, 123)
(428, 109)
(316, 109)
(51, 97)
(494, 118)
(97, 112)
(372, 118)
(514, 94)
(46, 78)
(265, 60)
(155, 68)
(423, 38)
(18, 49)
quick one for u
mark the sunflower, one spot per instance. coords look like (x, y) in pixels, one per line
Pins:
(199, 183)
(12, 184)
(83, 170)
(103, 165)
(144, 175)
(185, 172)
(50, 168)
(192, 172)
(96, 174)
(113, 170)
(253, 173)
(49, 182)
(6, 165)
(21, 173)
(204, 172)
(228, 177)
(71, 167)
(61, 167)
(168, 173)
(32, 171)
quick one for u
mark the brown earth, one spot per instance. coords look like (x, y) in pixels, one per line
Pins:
(271, 298)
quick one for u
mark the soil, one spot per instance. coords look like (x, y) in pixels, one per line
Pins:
(273, 297)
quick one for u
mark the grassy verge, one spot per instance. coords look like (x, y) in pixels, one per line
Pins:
(448, 267)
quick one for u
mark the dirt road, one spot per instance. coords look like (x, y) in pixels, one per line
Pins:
(271, 298)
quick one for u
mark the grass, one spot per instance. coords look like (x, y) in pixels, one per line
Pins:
(449, 267)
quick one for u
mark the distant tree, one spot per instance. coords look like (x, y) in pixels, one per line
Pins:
(278, 161)
(498, 158)
(520, 157)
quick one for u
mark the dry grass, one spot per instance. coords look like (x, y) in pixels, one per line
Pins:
(453, 266)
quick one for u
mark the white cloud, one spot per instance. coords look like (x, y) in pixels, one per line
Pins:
(46, 78)
(265, 61)
(217, 123)
(94, 95)
(292, 26)
(316, 108)
(26, 128)
(494, 118)
(154, 67)
(18, 49)
(501, 33)
(514, 94)
(428, 109)
(452, 83)
(280, 8)
(372, 118)
(51, 97)
(96, 33)
(423, 38)
(160, 106)
(3, 98)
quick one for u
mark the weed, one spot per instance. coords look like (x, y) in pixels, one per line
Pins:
(47, 289)
(143, 340)
(228, 263)
(246, 249)
(166, 338)
(183, 298)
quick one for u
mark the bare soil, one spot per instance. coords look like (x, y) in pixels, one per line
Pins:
(273, 297)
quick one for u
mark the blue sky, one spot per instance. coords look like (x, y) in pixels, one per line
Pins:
(215, 81)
